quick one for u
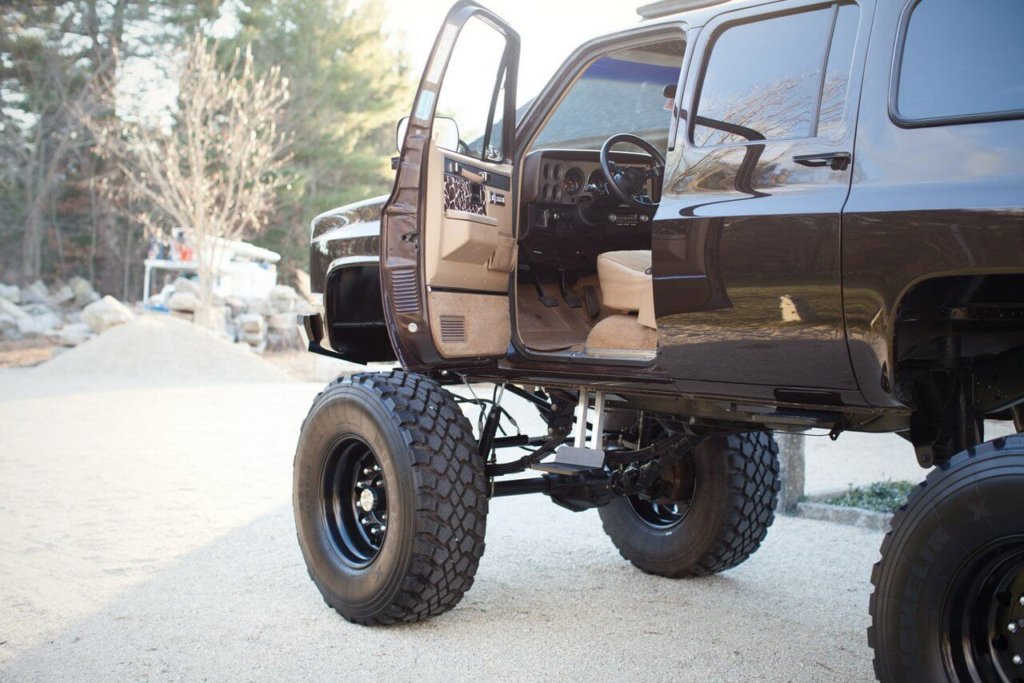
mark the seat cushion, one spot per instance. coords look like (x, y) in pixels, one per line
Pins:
(626, 283)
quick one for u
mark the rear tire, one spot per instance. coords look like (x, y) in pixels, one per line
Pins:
(389, 498)
(733, 504)
(951, 579)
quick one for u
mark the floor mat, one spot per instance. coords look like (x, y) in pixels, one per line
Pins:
(550, 329)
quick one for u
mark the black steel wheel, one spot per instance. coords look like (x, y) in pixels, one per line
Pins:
(658, 515)
(949, 590)
(389, 497)
(719, 519)
(984, 614)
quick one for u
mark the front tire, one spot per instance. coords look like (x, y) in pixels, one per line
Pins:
(389, 498)
(736, 484)
(949, 590)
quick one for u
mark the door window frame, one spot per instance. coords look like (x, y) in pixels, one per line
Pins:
(551, 96)
(717, 26)
(425, 111)
(896, 71)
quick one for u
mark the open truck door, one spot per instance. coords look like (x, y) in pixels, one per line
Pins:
(447, 239)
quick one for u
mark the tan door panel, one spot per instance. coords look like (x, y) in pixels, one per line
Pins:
(468, 241)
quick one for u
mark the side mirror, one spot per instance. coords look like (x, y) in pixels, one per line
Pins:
(403, 125)
(446, 132)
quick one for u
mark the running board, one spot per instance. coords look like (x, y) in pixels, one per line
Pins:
(572, 460)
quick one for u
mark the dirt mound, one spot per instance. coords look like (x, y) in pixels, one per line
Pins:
(159, 350)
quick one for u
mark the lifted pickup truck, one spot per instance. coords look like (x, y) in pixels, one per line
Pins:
(823, 228)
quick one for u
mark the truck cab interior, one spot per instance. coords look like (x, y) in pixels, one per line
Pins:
(590, 185)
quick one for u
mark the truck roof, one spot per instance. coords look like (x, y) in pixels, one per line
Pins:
(693, 12)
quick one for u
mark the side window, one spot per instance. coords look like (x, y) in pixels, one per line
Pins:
(778, 78)
(960, 61)
(473, 90)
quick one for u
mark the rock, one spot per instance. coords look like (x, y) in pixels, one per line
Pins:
(281, 321)
(257, 306)
(183, 301)
(84, 293)
(284, 340)
(214, 318)
(184, 284)
(36, 293)
(283, 298)
(251, 323)
(61, 295)
(9, 327)
(10, 293)
(252, 330)
(106, 313)
(37, 309)
(71, 335)
(35, 325)
(15, 312)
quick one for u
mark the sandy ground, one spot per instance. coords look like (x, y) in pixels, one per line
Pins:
(146, 533)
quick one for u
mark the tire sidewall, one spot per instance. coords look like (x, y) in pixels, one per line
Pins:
(967, 509)
(355, 410)
(690, 539)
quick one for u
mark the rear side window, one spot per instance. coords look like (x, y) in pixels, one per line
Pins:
(962, 60)
(771, 79)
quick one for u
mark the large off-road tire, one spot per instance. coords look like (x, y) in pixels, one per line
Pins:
(390, 498)
(948, 603)
(736, 484)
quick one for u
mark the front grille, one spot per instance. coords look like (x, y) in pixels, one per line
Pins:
(405, 290)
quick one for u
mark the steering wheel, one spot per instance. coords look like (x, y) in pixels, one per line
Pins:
(629, 183)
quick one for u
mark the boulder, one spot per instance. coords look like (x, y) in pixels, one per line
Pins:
(84, 293)
(183, 301)
(61, 295)
(106, 313)
(184, 284)
(257, 306)
(283, 298)
(9, 327)
(251, 323)
(252, 329)
(15, 312)
(35, 325)
(71, 335)
(11, 293)
(36, 293)
(282, 321)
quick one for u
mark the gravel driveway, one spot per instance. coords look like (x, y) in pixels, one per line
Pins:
(146, 533)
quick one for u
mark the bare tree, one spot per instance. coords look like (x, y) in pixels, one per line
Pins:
(216, 169)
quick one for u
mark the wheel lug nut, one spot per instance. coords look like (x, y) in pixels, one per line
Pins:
(1012, 627)
(1018, 660)
(1021, 601)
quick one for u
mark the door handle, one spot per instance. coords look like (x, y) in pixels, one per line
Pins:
(837, 161)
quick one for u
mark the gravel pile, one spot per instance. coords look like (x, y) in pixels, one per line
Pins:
(159, 350)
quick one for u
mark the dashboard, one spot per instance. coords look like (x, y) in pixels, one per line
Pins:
(562, 176)
(564, 197)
